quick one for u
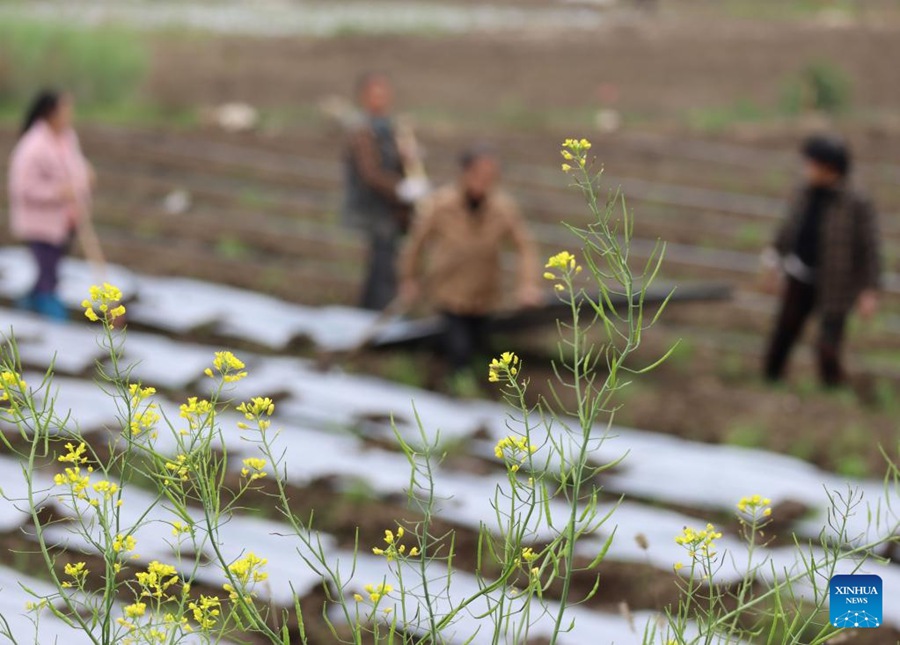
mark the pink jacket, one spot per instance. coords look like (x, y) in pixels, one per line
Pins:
(42, 164)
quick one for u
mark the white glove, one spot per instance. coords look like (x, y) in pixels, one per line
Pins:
(412, 189)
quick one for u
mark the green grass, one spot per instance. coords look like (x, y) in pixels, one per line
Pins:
(719, 118)
(818, 86)
(780, 9)
(747, 434)
(100, 66)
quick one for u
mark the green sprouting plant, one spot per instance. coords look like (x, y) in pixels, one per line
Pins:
(529, 554)
(819, 87)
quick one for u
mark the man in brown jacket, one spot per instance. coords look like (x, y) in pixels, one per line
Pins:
(463, 228)
(378, 197)
(827, 250)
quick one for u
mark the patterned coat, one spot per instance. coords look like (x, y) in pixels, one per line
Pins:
(850, 254)
(372, 171)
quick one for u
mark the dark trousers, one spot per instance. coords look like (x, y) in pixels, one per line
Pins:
(797, 304)
(380, 287)
(463, 338)
(47, 258)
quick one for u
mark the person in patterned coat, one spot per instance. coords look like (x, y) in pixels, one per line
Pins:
(825, 261)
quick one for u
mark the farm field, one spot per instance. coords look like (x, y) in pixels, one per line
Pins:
(223, 239)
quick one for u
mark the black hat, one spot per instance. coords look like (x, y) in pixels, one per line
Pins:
(829, 151)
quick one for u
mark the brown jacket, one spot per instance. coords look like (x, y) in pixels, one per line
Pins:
(850, 248)
(464, 248)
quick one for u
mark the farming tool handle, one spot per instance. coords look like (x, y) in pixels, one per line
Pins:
(413, 165)
(85, 231)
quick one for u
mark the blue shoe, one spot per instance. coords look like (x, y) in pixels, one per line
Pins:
(50, 306)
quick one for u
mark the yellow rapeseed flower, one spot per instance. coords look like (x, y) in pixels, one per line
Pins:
(157, 579)
(379, 591)
(124, 543)
(139, 393)
(179, 528)
(206, 611)
(255, 466)
(105, 300)
(229, 366)
(504, 368)
(699, 542)
(144, 421)
(196, 411)
(249, 569)
(393, 548)
(135, 610)
(76, 454)
(257, 409)
(78, 572)
(755, 505)
(10, 382)
(514, 451)
(75, 480)
(564, 261)
(107, 489)
(180, 467)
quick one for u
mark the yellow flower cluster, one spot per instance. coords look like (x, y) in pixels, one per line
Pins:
(249, 568)
(562, 265)
(702, 542)
(514, 451)
(157, 579)
(106, 300)
(206, 611)
(144, 421)
(78, 572)
(376, 592)
(135, 610)
(10, 382)
(180, 528)
(140, 394)
(526, 557)
(77, 455)
(180, 468)
(196, 411)
(393, 548)
(107, 489)
(124, 544)
(505, 367)
(74, 480)
(574, 151)
(257, 409)
(30, 605)
(255, 466)
(755, 505)
(73, 477)
(228, 366)
(246, 571)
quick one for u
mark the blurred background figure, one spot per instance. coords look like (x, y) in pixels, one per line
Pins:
(378, 195)
(49, 184)
(827, 252)
(462, 230)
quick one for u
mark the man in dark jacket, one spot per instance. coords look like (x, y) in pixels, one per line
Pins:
(827, 251)
(378, 197)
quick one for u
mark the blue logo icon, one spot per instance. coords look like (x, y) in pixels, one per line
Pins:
(855, 601)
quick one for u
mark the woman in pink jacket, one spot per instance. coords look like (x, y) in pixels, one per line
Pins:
(49, 189)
